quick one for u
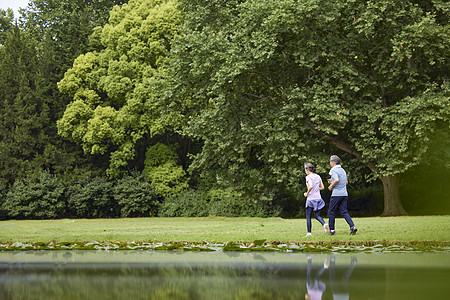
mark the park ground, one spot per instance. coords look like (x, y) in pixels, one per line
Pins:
(405, 231)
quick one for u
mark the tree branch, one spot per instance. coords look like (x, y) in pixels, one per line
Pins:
(340, 144)
(269, 82)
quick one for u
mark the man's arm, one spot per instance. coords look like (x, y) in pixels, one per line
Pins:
(333, 184)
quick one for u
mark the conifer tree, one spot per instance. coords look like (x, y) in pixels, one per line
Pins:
(23, 113)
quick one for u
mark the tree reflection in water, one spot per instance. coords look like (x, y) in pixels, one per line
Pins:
(224, 275)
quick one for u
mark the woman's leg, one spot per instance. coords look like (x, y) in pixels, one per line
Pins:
(318, 217)
(308, 218)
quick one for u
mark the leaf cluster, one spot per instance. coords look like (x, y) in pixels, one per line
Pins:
(272, 84)
(114, 88)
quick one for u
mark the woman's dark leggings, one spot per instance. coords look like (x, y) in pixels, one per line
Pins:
(309, 211)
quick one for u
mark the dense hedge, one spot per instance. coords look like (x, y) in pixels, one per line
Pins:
(41, 198)
(92, 199)
(130, 196)
(215, 202)
(45, 197)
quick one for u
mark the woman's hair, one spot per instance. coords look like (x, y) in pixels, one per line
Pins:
(310, 167)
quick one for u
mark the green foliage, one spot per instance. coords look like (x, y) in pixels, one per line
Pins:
(3, 212)
(40, 198)
(248, 192)
(159, 154)
(92, 198)
(262, 86)
(225, 202)
(135, 196)
(24, 112)
(229, 203)
(317, 67)
(64, 26)
(34, 56)
(162, 171)
(272, 84)
(6, 23)
(114, 89)
(189, 203)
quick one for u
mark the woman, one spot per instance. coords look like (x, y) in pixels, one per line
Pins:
(314, 201)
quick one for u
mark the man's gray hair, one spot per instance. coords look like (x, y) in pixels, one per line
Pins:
(336, 159)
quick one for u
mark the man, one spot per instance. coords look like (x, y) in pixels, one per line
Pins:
(339, 196)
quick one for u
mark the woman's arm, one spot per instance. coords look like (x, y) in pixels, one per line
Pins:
(310, 186)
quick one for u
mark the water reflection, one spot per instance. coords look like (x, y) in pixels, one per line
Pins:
(221, 275)
(314, 283)
(338, 278)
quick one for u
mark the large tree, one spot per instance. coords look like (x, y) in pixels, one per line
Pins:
(271, 83)
(114, 89)
(23, 110)
(35, 52)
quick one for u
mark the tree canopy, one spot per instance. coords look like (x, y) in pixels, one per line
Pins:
(114, 88)
(216, 105)
(35, 51)
(272, 81)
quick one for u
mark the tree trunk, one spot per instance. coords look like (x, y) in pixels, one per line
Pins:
(392, 204)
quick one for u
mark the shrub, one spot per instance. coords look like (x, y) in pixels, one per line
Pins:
(225, 202)
(92, 198)
(162, 171)
(135, 196)
(218, 202)
(41, 198)
(189, 203)
(236, 193)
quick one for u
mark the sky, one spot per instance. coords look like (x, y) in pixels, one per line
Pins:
(14, 5)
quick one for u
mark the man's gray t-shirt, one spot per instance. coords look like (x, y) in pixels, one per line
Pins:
(339, 189)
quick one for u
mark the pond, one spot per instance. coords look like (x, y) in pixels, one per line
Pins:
(222, 275)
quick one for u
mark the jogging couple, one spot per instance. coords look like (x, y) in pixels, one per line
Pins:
(339, 196)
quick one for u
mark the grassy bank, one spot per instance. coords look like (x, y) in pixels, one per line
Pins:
(424, 230)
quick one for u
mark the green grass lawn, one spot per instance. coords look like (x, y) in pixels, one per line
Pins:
(424, 229)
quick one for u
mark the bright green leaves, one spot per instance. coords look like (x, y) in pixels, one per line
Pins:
(115, 88)
(93, 128)
(83, 76)
(101, 129)
(74, 124)
(141, 30)
(162, 171)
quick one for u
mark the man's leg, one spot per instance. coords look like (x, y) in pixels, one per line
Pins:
(334, 203)
(345, 214)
